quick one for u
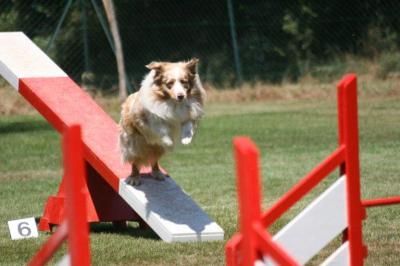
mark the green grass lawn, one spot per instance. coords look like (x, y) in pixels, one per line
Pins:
(293, 136)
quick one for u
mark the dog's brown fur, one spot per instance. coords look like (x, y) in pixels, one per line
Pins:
(168, 104)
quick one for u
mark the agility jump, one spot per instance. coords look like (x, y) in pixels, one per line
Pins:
(338, 210)
(301, 239)
(108, 198)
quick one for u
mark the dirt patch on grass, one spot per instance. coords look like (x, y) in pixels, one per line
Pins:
(307, 88)
(267, 92)
(12, 103)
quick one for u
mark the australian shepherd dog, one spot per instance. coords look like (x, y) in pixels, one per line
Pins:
(165, 111)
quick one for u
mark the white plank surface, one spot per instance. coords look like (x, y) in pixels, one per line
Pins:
(311, 230)
(64, 261)
(169, 211)
(340, 257)
(21, 58)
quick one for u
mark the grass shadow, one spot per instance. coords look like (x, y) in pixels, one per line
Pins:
(11, 127)
(133, 229)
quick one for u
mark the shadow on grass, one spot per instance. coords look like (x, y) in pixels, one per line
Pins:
(130, 230)
(10, 127)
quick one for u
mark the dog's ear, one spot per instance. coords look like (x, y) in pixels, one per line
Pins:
(155, 65)
(192, 65)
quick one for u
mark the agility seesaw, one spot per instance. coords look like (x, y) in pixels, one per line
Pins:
(169, 211)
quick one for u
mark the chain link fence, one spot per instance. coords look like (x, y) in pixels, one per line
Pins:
(236, 41)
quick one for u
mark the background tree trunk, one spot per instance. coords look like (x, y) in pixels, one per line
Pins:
(119, 54)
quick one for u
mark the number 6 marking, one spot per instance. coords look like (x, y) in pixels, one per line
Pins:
(23, 229)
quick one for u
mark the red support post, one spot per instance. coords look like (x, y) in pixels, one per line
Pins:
(247, 173)
(341, 126)
(78, 231)
(74, 227)
(348, 132)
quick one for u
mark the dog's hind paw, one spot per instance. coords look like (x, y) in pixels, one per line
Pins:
(158, 175)
(186, 141)
(133, 180)
(167, 141)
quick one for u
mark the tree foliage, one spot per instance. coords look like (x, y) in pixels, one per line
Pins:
(277, 39)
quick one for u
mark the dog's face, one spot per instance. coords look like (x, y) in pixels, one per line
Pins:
(174, 80)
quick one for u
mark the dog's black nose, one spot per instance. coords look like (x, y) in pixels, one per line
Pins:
(180, 97)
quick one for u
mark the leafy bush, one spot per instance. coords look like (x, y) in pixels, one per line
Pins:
(389, 64)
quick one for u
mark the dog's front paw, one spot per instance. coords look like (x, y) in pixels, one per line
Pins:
(158, 175)
(186, 140)
(167, 141)
(133, 180)
(187, 133)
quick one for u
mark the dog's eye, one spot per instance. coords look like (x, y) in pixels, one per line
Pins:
(184, 82)
(170, 84)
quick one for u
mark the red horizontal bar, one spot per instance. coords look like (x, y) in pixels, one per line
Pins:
(381, 201)
(267, 245)
(303, 186)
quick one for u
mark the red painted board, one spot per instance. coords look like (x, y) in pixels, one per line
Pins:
(63, 103)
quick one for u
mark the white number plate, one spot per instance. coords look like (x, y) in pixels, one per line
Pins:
(23, 228)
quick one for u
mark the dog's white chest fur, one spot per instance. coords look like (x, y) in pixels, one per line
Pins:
(169, 121)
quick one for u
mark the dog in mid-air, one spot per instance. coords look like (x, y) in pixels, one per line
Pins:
(165, 111)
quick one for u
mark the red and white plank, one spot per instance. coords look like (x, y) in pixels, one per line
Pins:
(21, 58)
(63, 103)
(340, 257)
(311, 230)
